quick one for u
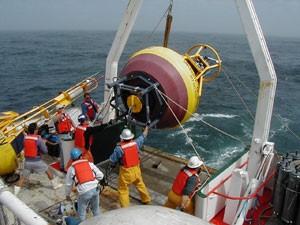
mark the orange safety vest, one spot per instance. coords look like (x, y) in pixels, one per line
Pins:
(92, 108)
(131, 154)
(30, 147)
(79, 135)
(83, 171)
(64, 126)
(181, 180)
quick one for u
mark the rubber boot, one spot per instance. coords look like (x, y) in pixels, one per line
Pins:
(16, 190)
(55, 183)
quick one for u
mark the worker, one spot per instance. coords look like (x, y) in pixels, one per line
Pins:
(126, 153)
(89, 107)
(34, 146)
(80, 140)
(79, 132)
(85, 175)
(184, 187)
(64, 126)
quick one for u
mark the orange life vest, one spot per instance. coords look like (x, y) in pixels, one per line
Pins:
(83, 171)
(30, 148)
(92, 108)
(79, 135)
(131, 154)
(181, 180)
(64, 126)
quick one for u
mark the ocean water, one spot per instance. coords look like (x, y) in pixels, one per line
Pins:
(36, 65)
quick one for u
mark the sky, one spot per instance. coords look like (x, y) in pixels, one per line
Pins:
(277, 17)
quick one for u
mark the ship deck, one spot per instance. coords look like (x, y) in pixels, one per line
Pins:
(159, 170)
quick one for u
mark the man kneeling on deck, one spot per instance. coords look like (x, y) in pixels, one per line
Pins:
(184, 187)
(86, 176)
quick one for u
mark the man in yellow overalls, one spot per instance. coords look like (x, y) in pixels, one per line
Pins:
(126, 153)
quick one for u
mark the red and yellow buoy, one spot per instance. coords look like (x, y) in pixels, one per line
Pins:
(158, 84)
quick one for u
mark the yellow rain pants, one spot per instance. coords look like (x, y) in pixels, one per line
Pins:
(174, 201)
(132, 175)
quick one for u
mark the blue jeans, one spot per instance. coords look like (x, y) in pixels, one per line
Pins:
(91, 196)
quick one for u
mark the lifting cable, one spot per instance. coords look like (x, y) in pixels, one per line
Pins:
(166, 13)
(184, 131)
(242, 100)
(201, 119)
(191, 142)
(255, 95)
(209, 175)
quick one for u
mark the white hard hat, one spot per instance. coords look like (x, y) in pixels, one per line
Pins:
(59, 106)
(194, 162)
(126, 134)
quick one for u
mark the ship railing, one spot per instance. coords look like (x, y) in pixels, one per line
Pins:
(224, 191)
(13, 124)
(19, 210)
(254, 195)
(207, 206)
